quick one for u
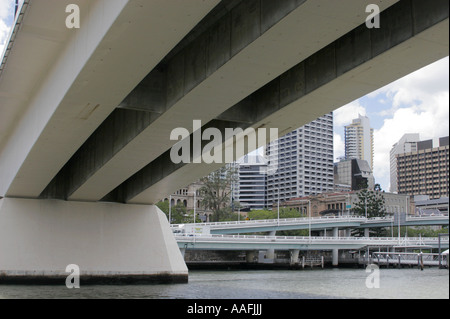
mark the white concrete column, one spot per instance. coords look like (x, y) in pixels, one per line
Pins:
(335, 232)
(251, 255)
(109, 242)
(366, 232)
(335, 257)
(270, 253)
(294, 256)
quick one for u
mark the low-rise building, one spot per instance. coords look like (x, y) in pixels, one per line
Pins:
(341, 203)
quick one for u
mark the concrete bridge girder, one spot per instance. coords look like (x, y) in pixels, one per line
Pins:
(85, 78)
(199, 83)
(357, 63)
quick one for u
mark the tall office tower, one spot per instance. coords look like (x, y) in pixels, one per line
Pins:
(359, 140)
(425, 171)
(301, 162)
(249, 188)
(408, 143)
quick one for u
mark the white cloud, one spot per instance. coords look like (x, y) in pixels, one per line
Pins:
(339, 146)
(5, 11)
(420, 104)
(6, 8)
(345, 114)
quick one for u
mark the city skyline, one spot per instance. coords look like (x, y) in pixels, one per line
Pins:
(417, 103)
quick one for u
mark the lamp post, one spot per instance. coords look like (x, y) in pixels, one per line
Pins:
(194, 204)
(365, 205)
(309, 209)
(170, 209)
(309, 214)
(278, 207)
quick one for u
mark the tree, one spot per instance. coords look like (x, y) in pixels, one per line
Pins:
(216, 191)
(178, 213)
(370, 204)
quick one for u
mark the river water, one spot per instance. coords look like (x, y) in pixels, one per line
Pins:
(274, 284)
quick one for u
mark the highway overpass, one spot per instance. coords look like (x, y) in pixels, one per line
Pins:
(249, 242)
(86, 113)
(316, 223)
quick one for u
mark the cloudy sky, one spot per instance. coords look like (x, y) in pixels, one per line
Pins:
(6, 13)
(418, 103)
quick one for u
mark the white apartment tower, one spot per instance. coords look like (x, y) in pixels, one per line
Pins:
(301, 162)
(250, 186)
(407, 144)
(359, 140)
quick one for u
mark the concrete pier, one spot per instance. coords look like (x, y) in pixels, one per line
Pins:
(109, 242)
(335, 256)
(294, 256)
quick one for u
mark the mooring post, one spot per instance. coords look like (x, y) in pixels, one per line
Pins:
(421, 261)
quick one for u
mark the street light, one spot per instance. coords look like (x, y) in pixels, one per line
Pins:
(309, 214)
(309, 211)
(170, 209)
(365, 205)
(278, 207)
(194, 204)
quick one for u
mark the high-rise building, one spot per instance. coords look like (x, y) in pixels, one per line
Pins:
(425, 171)
(359, 140)
(408, 143)
(250, 186)
(301, 162)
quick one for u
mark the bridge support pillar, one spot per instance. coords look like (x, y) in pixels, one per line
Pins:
(108, 242)
(335, 232)
(335, 254)
(366, 232)
(270, 253)
(251, 256)
(294, 256)
(335, 257)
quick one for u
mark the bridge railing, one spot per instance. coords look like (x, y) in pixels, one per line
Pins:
(314, 220)
(283, 221)
(407, 258)
(255, 238)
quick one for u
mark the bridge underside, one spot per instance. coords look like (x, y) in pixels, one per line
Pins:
(333, 74)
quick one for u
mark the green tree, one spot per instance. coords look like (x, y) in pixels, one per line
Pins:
(216, 192)
(370, 204)
(178, 213)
